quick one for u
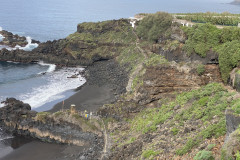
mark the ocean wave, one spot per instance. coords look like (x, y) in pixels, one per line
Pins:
(1, 37)
(50, 69)
(13, 62)
(55, 88)
(5, 138)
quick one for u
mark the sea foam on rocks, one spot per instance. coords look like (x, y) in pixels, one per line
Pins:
(30, 46)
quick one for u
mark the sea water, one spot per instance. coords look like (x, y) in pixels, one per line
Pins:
(38, 84)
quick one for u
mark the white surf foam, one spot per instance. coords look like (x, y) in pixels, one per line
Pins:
(1, 37)
(51, 67)
(5, 138)
(55, 88)
(29, 47)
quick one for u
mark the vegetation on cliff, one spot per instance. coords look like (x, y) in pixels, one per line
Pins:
(229, 57)
(102, 40)
(176, 128)
(155, 26)
(224, 18)
(205, 37)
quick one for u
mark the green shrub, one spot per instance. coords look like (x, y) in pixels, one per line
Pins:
(155, 60)
(201, 38)
(200, 69)
(204, 155)
(155, 26)
(229, 56)
(149, 153)
(175, 131)
(59, 113)
(210, 146)
(188, 146)
(237, 156)
(42, 116)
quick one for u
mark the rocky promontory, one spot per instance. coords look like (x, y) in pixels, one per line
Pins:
(12, 40)
(92, 42)
(64, 127)
(237, 2)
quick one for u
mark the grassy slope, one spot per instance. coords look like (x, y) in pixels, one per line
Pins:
(178, 127)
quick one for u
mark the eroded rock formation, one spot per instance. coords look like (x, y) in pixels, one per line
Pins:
(64, 128)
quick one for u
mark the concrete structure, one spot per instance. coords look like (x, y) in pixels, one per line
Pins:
(183, 22)
(134, 19)
(73, 109)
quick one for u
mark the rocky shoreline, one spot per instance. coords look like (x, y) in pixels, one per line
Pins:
(61, 127)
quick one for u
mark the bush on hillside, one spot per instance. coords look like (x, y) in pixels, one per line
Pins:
(155, 26)
(201, 38)
(229, 57)
(204, 155)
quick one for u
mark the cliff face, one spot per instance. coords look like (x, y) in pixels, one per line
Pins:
(161, 81)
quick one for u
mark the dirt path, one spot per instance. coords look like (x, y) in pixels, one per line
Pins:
(106, 142)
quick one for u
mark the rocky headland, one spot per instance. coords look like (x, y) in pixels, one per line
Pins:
(168, 90)
(237, 2)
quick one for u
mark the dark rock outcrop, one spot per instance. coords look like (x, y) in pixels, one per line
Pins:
(179, 55)
(16, 117)
(232, 121)
(12, 40)
(235, 79)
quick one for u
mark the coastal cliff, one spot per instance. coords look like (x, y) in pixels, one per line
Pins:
(171, 99)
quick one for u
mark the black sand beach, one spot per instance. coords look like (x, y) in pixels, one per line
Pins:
(89, 98)
(105, 80)
(37, 150)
